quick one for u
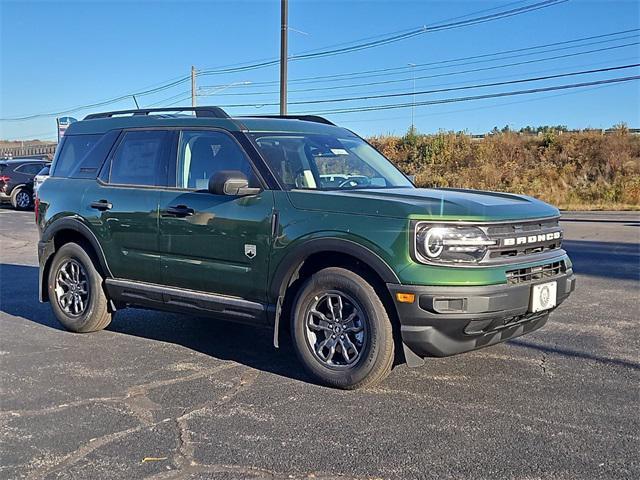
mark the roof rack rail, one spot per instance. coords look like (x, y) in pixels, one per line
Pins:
(306, 118)
(215, 112)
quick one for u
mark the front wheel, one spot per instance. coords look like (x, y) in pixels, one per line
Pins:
(341, 330)
(75, 290)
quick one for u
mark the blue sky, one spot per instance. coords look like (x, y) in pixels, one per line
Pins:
(56, 55)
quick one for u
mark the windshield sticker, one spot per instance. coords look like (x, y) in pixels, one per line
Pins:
(339, 151)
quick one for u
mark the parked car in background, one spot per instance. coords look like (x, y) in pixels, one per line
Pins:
(39, 179)
(16, 181)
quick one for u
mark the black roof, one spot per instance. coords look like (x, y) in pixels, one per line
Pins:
(16, 161)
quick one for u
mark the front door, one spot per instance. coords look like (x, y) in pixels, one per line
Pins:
(217, 244)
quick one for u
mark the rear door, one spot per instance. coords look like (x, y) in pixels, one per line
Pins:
(122, 205)
(218, 244)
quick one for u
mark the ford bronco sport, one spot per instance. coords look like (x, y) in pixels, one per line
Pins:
(289, 221)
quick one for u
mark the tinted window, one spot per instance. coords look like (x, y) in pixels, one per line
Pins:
(201, 154)
(30, 168)
(142, 158)
(72, 150)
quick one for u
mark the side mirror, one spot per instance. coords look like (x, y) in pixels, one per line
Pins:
(231, 182)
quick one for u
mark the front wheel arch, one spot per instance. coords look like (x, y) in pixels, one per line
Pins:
(311, 256)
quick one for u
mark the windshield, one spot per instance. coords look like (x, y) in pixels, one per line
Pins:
(324, 162)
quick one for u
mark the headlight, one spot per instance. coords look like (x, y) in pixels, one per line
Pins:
(450, 243)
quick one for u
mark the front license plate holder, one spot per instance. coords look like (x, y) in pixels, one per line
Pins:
(543, 297)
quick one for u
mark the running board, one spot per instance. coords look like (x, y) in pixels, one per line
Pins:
(151, 295)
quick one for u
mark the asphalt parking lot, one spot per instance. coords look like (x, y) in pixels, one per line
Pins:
(168, 396)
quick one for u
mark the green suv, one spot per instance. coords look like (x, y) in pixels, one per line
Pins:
(289, 223)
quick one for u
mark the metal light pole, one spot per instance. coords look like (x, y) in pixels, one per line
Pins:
(284, 29)
(413, 96)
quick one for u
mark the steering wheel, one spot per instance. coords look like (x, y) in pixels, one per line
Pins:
(352, 182)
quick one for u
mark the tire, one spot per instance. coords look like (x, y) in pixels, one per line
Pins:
(94, 314)
(21, 199)
(368, 336)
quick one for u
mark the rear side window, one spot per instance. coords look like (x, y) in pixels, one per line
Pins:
(73, 149)
(142, 158)
(30, 168)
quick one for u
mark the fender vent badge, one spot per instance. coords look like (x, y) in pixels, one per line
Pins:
(250, 250)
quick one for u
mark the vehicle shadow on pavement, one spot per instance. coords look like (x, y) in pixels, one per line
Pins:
(604, 259)
(227, 341)
(19, 295)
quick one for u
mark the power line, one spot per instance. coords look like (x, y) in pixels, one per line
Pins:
(446, 74)
(97, 104)
(384, 71)
(424, 92)
(159, 102)
(472, 98)
(389, 39)
(484, 107)
(449, 19)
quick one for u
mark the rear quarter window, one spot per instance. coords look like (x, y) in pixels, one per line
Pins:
(29, 168)
(82, 156)
(73, 150)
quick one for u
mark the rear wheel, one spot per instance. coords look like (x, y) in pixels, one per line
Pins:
(75, 291)
(341, 330)
(20, 199)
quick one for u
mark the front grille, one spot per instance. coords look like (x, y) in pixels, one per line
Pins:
(523, 238)
(530, 274)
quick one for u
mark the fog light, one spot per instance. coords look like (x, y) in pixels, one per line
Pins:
(405, 297)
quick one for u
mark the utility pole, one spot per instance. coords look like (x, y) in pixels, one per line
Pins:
(193, 86)
(284, 30)
(413, 97)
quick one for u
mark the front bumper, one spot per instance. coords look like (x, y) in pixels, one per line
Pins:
(444, 321)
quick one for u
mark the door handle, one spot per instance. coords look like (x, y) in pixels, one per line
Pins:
(179, 211)
(102, 205)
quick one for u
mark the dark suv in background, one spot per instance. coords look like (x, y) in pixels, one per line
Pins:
(16, 181)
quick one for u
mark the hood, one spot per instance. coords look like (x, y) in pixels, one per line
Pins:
(427, 203)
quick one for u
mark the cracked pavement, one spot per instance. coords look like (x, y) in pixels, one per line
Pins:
(166, 396)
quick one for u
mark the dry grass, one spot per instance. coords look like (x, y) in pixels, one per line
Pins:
(577, 170)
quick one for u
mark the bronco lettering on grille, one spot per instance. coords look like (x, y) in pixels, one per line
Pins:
(543, 237)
